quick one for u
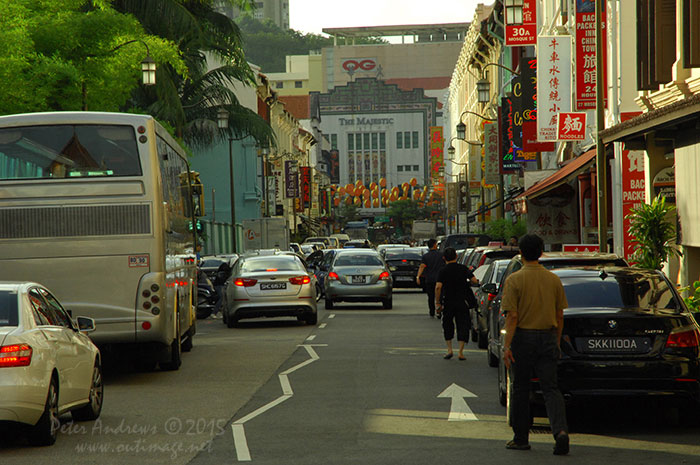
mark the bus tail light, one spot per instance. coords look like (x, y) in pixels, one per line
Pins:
(245, 282)
(299, 280)
(16, 355)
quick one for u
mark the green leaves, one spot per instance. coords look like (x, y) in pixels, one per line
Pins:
(653, 233)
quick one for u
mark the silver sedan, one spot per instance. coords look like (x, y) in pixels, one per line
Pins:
(358, 275)
(270, 286)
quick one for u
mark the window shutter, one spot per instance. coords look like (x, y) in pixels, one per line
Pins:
(644, 47)
(665, 40)
(691, 33)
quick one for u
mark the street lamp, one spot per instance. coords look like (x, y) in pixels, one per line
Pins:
(148, 70)
(222, 123)
(483, 86)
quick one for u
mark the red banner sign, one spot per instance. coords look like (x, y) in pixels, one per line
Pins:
(437, 144)
(633, 187)
(521, 24)
(571, 126)
(586, 55)
(305, 175)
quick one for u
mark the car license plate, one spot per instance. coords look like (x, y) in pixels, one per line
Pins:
(404, 278)
(271, 286)
(358, 279)
(603, 345)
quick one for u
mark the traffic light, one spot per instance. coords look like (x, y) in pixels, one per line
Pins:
(199, 226)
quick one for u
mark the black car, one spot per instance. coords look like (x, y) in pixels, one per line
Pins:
(627, 332)
(480, 256)
(549, 260)
(492, 274)
(403, 265)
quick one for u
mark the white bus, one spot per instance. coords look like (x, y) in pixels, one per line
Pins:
(98, 207)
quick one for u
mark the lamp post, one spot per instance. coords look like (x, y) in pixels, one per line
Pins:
(264, 150)
(222, 122)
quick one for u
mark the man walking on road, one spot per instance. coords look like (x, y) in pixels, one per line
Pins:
(431, 265)
(452, 295)
(534, 301)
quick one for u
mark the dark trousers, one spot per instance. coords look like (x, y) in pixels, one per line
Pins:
(430, 289)
(536, 354)
(460, 316)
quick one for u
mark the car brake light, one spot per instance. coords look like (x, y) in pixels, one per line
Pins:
(385, 275)
(491, 297)
(17, 355)
(683, 338)
(298, 280)
(271, 269)
(404, 260)
(245, 282)
(333, 276)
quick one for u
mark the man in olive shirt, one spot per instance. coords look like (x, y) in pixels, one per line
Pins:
(534, 300)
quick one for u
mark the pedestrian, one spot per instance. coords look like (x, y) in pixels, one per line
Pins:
(431, 265)
(534, 302)
(512, 241)
(453, 298)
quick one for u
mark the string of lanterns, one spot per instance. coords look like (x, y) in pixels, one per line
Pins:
(376, 195)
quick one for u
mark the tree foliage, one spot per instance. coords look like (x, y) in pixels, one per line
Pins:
(503, 229)
(653, 234)
(347, 213)
(403, 212)
(267, 45)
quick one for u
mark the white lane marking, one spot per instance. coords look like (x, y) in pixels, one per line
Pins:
(332, 315)
(322, 325)
(238, 430)
(311, 338)
(459, 410)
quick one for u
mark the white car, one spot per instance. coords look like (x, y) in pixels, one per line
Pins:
(47, 365)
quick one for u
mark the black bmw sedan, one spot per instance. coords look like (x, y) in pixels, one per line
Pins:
(403, 265)
(627, 332)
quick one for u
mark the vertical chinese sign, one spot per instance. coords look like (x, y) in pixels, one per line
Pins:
(305, 182)
(291, 180)
(633, 187)
(437, 144)
(491, 154)
(586, 56)
(553, 83)
(521, 22)
(507, 165)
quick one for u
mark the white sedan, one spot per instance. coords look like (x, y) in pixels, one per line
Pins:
(47, 365)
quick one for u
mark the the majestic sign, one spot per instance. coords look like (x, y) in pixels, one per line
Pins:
(521, 22)
(586, 55)
(553, 83)
(437, 144)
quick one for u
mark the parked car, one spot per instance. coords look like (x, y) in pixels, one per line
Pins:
(48, 366)
(319, 262)
(484, 255)
(627, 332)
(486, 274)
(382, 248)
(270, 286)
(334, 242)
(403, 265)
(358, 275)
(342, 238)
(357, 244)
(318, 245)
(307, 249)
(295, 247)
(551, 261)
(462, 241)
(210, 265)
(326, 241)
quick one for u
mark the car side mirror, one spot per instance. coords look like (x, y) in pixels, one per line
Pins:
(85, 324)
(489, 288)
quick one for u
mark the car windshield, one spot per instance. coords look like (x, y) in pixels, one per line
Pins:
(358, 260)
(616, 291)
(279, 263)
(8, 308)
(402, 255)
(211, 263)
(68, 151)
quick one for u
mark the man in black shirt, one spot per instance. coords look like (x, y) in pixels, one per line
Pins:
(453, 297)
(431, 265)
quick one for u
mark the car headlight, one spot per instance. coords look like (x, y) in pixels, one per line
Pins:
(392, 268)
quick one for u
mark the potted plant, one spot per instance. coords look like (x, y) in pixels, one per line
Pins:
(653, 233)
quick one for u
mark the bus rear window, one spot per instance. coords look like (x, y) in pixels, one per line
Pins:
(8, 308)
(68, 151)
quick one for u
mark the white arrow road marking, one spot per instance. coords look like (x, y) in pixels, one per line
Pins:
(459, 410)
(322, 325)
(237, 428)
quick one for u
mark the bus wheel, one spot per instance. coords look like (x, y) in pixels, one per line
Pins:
(187, 343)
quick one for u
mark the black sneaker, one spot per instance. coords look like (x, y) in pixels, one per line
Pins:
(561, 446)
(515, 446)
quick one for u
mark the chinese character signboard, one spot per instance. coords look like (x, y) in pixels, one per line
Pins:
(521, 23)
(571, 126)
(291, 180)
(553, 83)
(452, 198)
(633, 187)
(474, 166)
(491, 154)
(305, 182)
(271, 195)
(436, 150)
(529, 110)
(463, 192)
(508, 164)
(586, 55)
(554, 224)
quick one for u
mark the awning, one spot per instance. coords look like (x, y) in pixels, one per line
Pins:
(573, 168)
